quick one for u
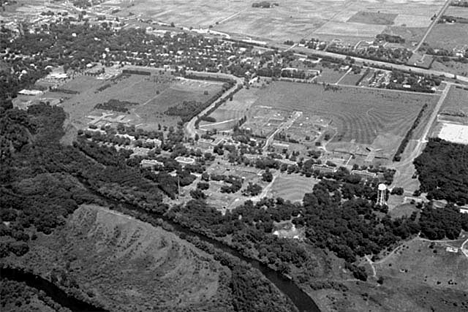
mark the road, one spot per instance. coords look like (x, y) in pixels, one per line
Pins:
(305, 52)
(463, 249)
(434, 22)
(284, 126)
(190, 128)
(403, 170)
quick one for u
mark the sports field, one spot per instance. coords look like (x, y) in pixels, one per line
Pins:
(151, 95)
(361, 115)
(291, 19)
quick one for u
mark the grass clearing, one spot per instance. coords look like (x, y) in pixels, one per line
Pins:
(291, 187)
(430, 263)
(403, 210)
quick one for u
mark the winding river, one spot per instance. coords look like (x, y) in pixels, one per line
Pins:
(300, 299)
(51, 290)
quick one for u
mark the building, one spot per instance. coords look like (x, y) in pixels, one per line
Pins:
(185, 160)
(150, 163)
(30, 92)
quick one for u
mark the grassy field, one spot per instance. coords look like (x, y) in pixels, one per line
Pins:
(360, 115)
(373, 18)
(291, 187)
(457, 11)
(291, 19)
(404, 210)
(456, 101)
(448, 36)
(457, 68)
(417, 261)
(153, 95)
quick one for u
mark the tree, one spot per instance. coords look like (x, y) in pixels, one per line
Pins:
(267, 176)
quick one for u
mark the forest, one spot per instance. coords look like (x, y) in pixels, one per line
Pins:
(443, 171)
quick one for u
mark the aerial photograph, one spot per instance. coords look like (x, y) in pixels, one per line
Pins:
(234, 155)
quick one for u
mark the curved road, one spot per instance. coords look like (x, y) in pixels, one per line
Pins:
(190, 128)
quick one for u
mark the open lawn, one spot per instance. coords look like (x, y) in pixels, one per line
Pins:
(403, 210)
(360, 115)
(153, 96)
(291, 19)
(291, 187)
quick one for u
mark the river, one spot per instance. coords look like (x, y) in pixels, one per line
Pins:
(52, 291)
(301, 300)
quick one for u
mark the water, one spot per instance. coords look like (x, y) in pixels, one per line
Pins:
(300, 299)
(54, 292)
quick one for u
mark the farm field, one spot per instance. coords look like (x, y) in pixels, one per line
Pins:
(291, 19)
(457, 11)
(448, 36)
(151, 96)
(456, 102)
(291, 187)
(360, 115)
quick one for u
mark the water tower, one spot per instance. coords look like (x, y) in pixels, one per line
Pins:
(382, 192)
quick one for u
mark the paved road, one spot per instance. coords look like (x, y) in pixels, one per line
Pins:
(434, 22)
(190, 128)
(284, 126)
(404, 168)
